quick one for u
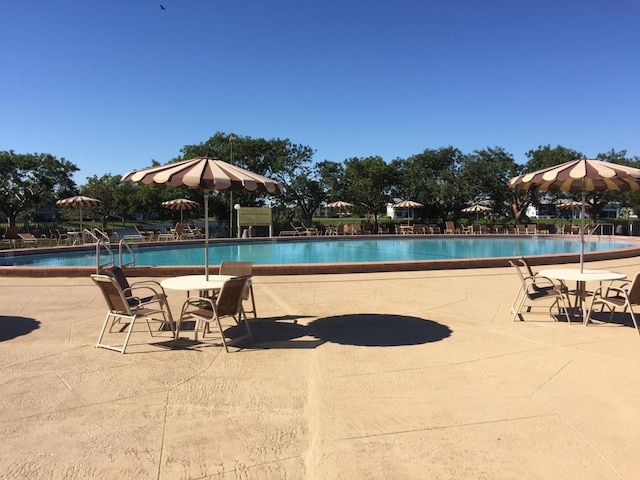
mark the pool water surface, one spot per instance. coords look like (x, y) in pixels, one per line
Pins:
(336, 250)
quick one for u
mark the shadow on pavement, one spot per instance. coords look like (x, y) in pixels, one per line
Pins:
(377, 330)
(12, 327)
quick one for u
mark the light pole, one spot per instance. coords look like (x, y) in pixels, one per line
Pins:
(237, 207)
(232, 138)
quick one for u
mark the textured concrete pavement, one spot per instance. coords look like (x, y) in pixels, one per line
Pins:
(409, 375)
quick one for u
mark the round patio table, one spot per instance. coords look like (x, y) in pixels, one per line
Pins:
(581, 278)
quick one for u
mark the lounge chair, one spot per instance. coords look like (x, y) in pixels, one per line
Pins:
(125, 309)
(450, 228)
(11, 236)
(31, 239)
(534, 288)
(195, 231)
(228, 303)
(613, 297)
(59, 236)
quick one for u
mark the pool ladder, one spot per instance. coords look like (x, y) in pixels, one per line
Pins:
(105, 244)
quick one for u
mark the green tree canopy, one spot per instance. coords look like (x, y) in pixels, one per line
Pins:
(28, 181)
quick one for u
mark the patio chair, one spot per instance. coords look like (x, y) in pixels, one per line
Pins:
(613, 297)
(195, 231)
(241, 269)
(534, 288)
(59, 235)
(11, 236)
(228, 303)
(143, 292)
(122, 308)
(450, 227)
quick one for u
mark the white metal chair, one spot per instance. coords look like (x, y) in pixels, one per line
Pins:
(121, 307)
(534, 288)
(613, 297)
(206, 310)
(241, 269)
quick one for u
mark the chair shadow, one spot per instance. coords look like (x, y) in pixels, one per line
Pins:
(12, 327)
(378, 330)
(619, 319)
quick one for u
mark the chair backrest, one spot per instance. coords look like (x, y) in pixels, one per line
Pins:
(229, 301)
(517, 265)
(236, 269)
(118, 275)
(113, 294)
(11, 233)
(634, 290)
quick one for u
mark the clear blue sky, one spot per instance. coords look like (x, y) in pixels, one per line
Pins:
(112, 85)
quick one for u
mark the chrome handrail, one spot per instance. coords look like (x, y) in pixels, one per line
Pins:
(107, 246)
(123, 243)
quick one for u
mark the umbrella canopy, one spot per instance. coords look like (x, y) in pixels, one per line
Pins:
(477, 209)
(573, 205)
(339, 204)
(181, 204)
(204, 173)
(408, 204)
(79, 201)
(581, 175)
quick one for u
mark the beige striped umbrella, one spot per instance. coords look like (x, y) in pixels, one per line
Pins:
(204, 173)
(581, 175)
(79, 201)
(181, 204)
(477, 209)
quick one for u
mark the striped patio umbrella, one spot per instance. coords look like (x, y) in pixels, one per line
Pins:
(181, 204)
(477, 209)
(581, 175)
(204, 173)
(79, 201)
(408, 204)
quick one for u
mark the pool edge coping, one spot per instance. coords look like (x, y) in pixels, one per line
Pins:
(323, 268)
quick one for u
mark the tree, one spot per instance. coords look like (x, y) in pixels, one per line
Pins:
(368, 181)
(487, 173)
(279, 159)
(433, 179)
(28, 181)
(114, 195)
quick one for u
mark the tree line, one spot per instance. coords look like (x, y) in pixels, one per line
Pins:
(445, 180)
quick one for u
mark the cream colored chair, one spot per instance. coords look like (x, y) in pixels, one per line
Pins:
(206, 310)
(534, 288)
(122, 308)
(613, 297)
(241, 269)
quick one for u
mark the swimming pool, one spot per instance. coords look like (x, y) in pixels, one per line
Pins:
(306, 254)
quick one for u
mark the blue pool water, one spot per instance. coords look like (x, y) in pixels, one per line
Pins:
(341, 250)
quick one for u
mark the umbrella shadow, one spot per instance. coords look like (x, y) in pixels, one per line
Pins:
(12, 327)
(378, 330)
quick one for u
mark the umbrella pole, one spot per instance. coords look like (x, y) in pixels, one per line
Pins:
(582, 232)
(206, 235)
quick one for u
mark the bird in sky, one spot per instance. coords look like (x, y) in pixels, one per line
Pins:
(162, 7)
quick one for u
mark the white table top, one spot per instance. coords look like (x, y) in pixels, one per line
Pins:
(584, 276)
(195, 282)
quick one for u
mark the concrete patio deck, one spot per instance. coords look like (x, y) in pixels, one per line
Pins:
(398, 375)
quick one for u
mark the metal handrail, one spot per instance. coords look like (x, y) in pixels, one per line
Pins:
(107, 246)
(123, 243)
